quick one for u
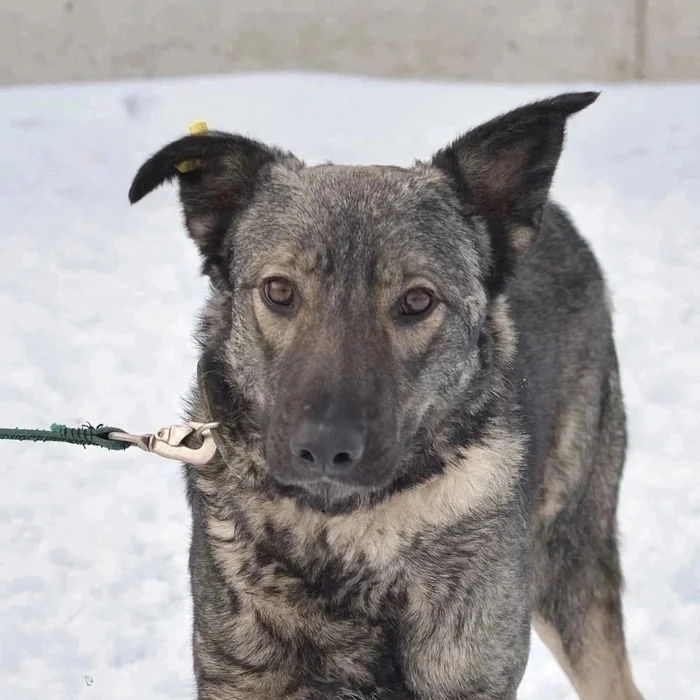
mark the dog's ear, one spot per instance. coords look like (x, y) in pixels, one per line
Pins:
(218, 175)
(504, 169)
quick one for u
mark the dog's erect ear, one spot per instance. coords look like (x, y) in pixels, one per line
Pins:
(223, 174)
(504, 169)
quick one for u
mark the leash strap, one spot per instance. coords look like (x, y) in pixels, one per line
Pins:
(87, 435)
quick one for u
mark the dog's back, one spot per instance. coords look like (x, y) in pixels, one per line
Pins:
(559, 304)
(569, 389)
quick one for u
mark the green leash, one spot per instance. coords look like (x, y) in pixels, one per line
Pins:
(87, 435)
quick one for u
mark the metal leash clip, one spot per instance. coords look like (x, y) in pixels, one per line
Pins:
(167, 442)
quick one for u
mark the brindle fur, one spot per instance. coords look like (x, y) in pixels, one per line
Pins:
(494, 427)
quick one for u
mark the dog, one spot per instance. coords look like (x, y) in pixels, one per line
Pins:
(421, 427)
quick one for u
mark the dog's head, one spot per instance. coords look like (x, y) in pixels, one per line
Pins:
(350, 302)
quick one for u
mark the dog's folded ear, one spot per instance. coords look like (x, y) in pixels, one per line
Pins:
(228, 170)
(504, 169)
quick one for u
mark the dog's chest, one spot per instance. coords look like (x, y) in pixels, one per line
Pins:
(367, 598)
(362, 607)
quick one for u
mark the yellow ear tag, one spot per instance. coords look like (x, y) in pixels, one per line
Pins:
(187, 166)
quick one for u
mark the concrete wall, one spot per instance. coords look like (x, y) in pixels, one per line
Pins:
(510, 40)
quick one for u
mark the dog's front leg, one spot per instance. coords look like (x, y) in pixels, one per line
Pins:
(466, 633)
(485, 660)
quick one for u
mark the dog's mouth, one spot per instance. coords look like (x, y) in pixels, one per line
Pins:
(324, 494)
(324, 487)
(356, 483)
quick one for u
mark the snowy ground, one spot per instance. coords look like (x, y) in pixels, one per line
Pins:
(98, 299)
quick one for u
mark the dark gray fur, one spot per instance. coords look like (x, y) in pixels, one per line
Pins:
(492, 426)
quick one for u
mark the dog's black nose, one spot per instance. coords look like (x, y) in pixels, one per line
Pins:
(327, 447)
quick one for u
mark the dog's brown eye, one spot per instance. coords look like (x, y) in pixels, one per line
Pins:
(279, 292)
(417, 301)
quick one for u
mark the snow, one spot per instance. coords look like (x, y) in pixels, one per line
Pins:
(98, 301)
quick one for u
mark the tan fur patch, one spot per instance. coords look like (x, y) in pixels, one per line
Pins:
(276, 329)
(415, 340)
(200, 225)
(603, 673)
(564, 466)
(521, 238)
(503, 328)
